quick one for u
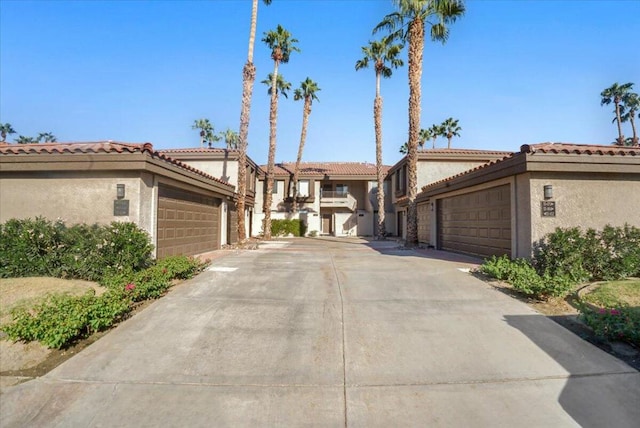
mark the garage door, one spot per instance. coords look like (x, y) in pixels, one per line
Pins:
(188, 223)
(232, 224)
(424, 222)
(477, 223)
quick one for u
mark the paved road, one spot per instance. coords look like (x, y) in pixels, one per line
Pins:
(333, 332)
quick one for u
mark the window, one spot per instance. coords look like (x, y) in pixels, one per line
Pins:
(303, 188)
(276, 186)
(342, 189)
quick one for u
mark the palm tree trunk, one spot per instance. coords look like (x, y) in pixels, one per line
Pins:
(621, 136)
(377, 114)
(303, 137)
(273, 117)
(248, 79)
(448, 142)
(634, 140)
(416, 47)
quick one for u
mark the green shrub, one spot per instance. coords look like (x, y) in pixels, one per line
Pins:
(561, 254)
(613, 323)
(42, 248)
(30, 247)
(524, 278)
(61, 319)
(612, 253)
(294, 227)
(180, 267)
(497, 267)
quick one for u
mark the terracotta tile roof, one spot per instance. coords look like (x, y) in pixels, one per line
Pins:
(465, 152)
(551, 148)
(327, 168)
(98, 147)
(198, 150)
(580, 149)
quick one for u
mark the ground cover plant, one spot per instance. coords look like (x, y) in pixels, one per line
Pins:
(612, 310)
(118, 256)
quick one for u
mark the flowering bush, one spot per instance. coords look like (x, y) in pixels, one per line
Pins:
(621, 323)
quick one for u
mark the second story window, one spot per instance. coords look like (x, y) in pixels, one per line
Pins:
(303, 188)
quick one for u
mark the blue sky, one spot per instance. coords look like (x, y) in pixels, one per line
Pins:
(513, 73)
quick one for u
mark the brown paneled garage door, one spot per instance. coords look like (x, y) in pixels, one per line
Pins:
(188, 223)
(476, 223)
(424, 222)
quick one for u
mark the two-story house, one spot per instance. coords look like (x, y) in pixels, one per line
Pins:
(433, 165)
(334, 198)
(223, 164)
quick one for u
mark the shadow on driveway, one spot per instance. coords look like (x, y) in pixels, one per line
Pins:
(600, 390)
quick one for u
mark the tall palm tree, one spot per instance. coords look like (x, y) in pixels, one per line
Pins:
(230, 138)
(615, 93)
(207, 134)
(384, 56)
(307, 92)
(248, 79)
(451, 129)
(632, 105)
(282, 45)
(408, 23)
(6, 129)
(46, 137)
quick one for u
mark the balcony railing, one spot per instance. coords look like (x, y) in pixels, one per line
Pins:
(340, 199)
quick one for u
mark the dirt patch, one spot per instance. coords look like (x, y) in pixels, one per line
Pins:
(565, 313)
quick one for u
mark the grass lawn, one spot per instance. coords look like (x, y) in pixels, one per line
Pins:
(614, 294)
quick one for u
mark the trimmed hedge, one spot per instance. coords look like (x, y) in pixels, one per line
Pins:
(293, 227)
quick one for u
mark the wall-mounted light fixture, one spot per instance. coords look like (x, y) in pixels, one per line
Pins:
(120, 191)
(548, 191)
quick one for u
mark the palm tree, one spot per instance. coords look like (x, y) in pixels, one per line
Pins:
(384, 56)
(408, 23)
(206, 131)
(6, 129)
(451, 129)
(230, 138)
(248, 79)
(282, 45)
(26, 140)
(46, 137)
(425, 134)
(307, 92)
(631, 105)
(404, 148)
(436, 131)
(615, 93)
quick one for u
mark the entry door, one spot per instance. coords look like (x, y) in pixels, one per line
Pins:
(326, 224)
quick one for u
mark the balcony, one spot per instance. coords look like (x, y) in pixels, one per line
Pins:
(338, 200)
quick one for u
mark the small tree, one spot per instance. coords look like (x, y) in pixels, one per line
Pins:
(207, 134)
(46, 137)
(26, 140)
(451, 129)
(631, 106)
(230, 138)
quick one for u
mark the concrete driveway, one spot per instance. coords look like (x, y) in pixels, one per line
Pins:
(333, 332)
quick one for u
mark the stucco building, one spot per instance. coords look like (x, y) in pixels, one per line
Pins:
(335, 198)
(506, 206)
(433, 165)
(181, 207)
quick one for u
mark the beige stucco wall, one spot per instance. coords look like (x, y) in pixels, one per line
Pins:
(76, 197)
(225, 170)
(435, 170)
(585, 200)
